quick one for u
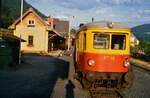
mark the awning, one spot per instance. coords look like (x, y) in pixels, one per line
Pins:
(10, 36)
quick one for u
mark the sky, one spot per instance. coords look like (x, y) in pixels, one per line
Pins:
(130, 12)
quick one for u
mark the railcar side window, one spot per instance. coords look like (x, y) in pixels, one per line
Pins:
(118, 42)
(101, 41)
(84, 42)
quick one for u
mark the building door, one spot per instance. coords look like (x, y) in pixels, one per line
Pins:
(51, 36)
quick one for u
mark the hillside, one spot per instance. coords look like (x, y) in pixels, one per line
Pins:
(10, 11)
(142, 32)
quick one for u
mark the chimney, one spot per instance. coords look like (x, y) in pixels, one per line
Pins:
(50, 20)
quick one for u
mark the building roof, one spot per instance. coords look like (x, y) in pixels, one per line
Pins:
(30, 10)
(42, 18)
(106, 25)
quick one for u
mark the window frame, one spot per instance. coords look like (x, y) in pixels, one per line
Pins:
(30, 41)
(110, 40)
(84, 41)
(123, 47)
(108, 46)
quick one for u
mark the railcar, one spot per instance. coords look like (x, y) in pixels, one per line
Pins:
(102, 56)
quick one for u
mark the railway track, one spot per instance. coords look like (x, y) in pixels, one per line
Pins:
(105, 94)
(115, 94)
(142, 69)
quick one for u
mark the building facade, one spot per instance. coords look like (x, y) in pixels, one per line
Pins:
(134, 41)
(42, 34)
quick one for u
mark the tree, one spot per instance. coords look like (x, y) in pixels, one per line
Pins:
(145, 45)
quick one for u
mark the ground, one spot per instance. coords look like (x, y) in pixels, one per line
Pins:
(52, 77)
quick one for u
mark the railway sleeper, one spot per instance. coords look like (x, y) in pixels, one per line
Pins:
(104, 94)
(106, 83)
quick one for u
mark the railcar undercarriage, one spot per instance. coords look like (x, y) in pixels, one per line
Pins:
(105, 84)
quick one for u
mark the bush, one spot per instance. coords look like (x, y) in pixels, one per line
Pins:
(142, 51)
(145, 45)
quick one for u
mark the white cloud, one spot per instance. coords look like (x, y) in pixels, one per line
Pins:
(98, 0)
(37, 1)
(61, 17)
(104, 10)
(100, 11)
(89, 4)
(130, 11)
(118, 2)
(147, 11)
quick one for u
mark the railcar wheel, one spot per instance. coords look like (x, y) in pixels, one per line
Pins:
(127, 81)
(129, 77)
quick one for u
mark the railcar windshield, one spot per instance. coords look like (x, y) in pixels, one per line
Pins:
(118, 42)
(102, 41)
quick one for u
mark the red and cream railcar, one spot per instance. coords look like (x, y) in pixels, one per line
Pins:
(102, 55)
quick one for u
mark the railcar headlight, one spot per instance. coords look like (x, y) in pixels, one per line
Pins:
(91, 62)
(126, 63)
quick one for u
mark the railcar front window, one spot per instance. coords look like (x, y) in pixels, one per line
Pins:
(101, 41)
(118, 42)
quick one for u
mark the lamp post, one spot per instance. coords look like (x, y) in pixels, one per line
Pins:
(21, 14)
(68, 48)
(71, 19)
(21, 10)
(68, 40)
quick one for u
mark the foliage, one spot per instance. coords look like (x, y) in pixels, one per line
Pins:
(145, 45)
(142, 32)
(142, 51)
(5, 30)
(10, 11)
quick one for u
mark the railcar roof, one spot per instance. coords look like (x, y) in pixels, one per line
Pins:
(105, 25)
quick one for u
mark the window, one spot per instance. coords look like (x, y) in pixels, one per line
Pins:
(31, 23)
(101, 41)
(118, 42)
(84, 42)
(30, 41)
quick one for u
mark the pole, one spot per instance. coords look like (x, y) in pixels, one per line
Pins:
(21, 14)
(21, 10)
(71, 23)
(69, 40)
(92, 19)
(69, 34)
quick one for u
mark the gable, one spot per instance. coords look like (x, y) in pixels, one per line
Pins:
(29, 15)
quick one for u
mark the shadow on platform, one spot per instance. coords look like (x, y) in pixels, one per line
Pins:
(35, 78)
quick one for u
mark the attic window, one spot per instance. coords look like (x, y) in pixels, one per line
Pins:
(31, 23)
